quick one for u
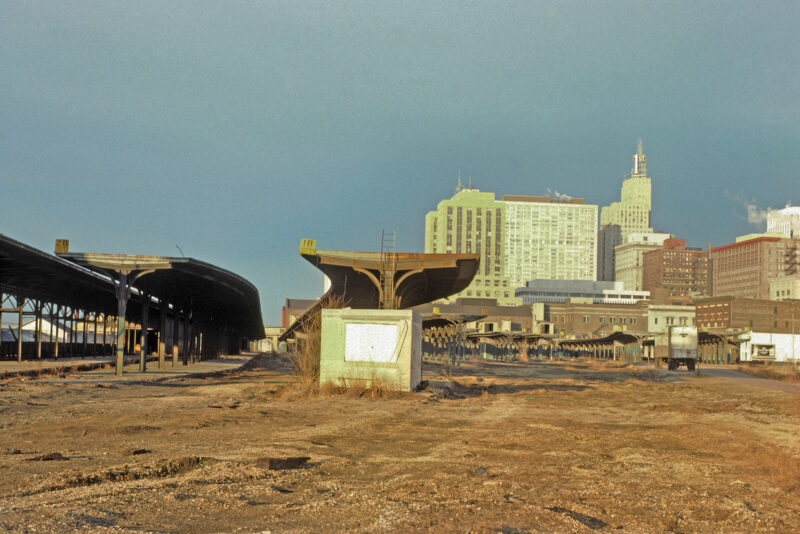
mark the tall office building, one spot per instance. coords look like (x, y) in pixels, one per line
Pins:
(473, 222)
(608, 239)
(549, 239)
(630, 215)
(519, 239)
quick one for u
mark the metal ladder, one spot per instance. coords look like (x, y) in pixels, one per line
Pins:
(388, 268)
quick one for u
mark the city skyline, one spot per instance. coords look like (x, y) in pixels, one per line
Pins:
(228, 133)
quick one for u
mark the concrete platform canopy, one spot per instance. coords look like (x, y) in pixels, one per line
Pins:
(200, 309)
(388, 280)
(363, 278)
(220, 310)
(52, 291)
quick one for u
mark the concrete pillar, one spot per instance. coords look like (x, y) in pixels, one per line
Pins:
(162, 335)
(20, 304)
(145, 322)
(185, 340)
(58, 331)
(123, 293)
(174, 338)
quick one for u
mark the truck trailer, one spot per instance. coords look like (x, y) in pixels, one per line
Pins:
(677, 346)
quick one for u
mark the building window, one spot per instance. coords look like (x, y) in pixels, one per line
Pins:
(602, 320)
(633, 320)
(612, 320)
(585, 318)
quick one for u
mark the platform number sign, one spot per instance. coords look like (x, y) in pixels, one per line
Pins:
(62, 246)
(308, 246)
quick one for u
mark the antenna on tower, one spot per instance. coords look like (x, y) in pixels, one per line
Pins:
(458, 187)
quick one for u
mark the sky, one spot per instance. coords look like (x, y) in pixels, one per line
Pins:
(228, 131)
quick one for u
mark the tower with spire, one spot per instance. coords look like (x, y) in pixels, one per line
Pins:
(632, 212)
(628, 216)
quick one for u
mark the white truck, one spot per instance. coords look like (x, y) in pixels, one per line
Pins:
(677, 346)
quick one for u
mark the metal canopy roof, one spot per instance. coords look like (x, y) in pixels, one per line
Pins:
(216, 295)
(31, 273)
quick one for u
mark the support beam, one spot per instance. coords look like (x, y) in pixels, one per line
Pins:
(20, 304)
(123, 292)
(145, 320)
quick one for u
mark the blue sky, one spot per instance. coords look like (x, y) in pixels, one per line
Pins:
(235, 129)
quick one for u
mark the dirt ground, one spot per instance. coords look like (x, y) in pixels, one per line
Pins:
(519, 447)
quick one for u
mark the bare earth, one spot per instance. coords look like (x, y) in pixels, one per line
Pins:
(523, 447)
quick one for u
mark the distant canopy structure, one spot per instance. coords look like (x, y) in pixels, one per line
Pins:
(389, 280)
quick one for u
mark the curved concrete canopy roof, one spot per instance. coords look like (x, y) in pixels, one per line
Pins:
(214, 294)
(419, 278)
(31, 273)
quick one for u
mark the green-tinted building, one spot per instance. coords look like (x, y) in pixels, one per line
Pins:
(470, 222)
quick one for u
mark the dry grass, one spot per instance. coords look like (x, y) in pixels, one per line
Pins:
(305, 357)
(787, 373)
(780, 469)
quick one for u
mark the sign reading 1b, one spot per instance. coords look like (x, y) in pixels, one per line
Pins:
(308, 246)
(62, 246)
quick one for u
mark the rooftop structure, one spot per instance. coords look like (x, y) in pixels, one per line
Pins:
(561, 290)
(784, 287)
(785, 221)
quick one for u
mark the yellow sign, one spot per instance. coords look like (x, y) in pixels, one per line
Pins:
(62, 246)
(308, 246)
(436, 310)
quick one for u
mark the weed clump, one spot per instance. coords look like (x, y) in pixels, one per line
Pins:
(305, 356)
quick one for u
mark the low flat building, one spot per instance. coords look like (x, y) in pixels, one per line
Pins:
(581, 318)
(600, 292)
(784, 287)
(662, 316)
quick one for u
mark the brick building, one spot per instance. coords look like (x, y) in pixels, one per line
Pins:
(585, 319)
(758, 315)
(744, 268)
(676, 269)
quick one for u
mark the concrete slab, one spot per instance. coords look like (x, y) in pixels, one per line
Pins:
(101, 369)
